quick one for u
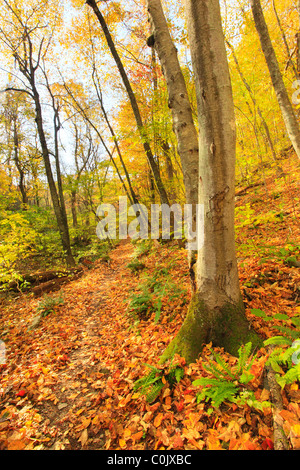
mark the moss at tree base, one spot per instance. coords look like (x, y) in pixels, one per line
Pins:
(225, 327)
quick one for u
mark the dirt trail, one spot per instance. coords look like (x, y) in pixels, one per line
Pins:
(62, 367)
(77, 385)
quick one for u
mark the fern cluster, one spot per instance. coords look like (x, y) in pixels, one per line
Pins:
(228, 383)
(285, 348)
(48, 303)
(152, 290)
(143, 247)
(152, 384)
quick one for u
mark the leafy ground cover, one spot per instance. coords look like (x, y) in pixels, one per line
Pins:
(72, 382)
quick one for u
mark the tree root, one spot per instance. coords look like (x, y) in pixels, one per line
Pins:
(280, 439)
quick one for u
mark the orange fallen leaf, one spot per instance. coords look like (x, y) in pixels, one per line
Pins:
(212, 441)
(127, 433)
(168, 401)
(16, 445)
(198, 444)
(190, 433)
(158, 419)
(189, 398)
(137, 436)
(85, 423)
(122, 443)
(177, 441)
(179, 405)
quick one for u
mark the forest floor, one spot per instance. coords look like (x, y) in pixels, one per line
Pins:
(69, 382)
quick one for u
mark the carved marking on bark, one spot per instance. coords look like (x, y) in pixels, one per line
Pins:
(216, 204)
(221, 281)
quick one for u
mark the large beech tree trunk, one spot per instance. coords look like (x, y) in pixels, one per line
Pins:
(216, 312)
(289, 117)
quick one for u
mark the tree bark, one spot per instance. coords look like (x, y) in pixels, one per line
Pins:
(284, 38)
(100, 99)
(216, 313)
(183, 124)
(143, 134)
(18, 164)
(290, 120)
(179, 103)
(61, 222)
(73, 208)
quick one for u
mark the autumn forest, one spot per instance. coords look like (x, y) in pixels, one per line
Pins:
(149, 227)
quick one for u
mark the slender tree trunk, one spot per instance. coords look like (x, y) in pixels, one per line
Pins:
(289, 117)
(152, 163)
(73, 208)
(216, 312)
(289, 55)
(63, 228)
(167, 154)
(21, 183)
(100, 99)
(79, 108)
(56, 125)
(183, 123)
(248, 88)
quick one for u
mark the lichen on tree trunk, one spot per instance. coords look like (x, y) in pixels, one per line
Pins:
(225, 326)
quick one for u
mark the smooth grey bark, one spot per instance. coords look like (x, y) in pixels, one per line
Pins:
(216, 312)
(289, 117)
(179, 103)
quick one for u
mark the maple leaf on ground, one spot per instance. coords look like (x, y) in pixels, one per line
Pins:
(177, 441)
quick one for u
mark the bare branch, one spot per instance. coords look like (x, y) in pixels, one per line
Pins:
(20, 90)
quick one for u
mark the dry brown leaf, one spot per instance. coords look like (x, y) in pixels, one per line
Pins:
(83, 437)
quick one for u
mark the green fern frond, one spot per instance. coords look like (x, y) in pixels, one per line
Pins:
(154, 391)
(216, 390)
(152, 384)
(278, 340)
(225, 368)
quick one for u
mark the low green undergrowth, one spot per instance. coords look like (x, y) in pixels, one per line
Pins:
(48, 303)
(152, 292)
(229, 383)
(284, 357)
